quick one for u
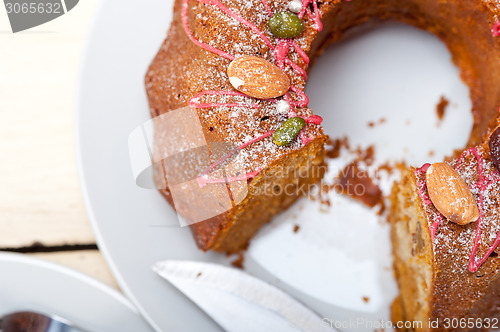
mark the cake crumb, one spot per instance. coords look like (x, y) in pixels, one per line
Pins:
(366, 299)
(390, 168)
(380, 121)
(238, 262)
(334, 147)
(198, 275)
(296, 228)
(356, 183)
(441, 107)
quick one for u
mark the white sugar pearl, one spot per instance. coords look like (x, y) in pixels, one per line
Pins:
(282, 107)
(295, 6)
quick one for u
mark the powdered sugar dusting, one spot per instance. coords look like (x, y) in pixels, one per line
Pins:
(246, 23)
(478, 239)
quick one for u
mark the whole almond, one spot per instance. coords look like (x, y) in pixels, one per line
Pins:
(450, 195)
(258, 77)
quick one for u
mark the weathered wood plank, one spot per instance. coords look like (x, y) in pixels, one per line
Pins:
(40, 199)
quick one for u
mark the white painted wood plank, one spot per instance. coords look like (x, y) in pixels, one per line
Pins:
(40, 197)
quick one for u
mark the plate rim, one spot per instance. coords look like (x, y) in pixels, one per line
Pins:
(67, 271)
(83, 179)
(77, 113)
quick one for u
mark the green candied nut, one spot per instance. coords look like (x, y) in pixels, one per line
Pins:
(285, 25)
(288, 130)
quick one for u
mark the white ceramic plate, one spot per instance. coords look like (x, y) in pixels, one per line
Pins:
(339, 262)
(32, 284)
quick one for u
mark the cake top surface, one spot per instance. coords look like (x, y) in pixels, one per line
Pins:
(218, 32)
(462, 249)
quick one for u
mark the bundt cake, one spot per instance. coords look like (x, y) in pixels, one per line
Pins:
(240, 67)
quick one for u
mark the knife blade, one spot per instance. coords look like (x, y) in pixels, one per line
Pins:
(236, 300)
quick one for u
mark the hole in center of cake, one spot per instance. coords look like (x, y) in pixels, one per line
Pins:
(394, 87)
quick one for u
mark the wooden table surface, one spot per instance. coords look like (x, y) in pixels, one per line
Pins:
(41, 207)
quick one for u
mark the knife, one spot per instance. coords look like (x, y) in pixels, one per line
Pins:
(238, 301)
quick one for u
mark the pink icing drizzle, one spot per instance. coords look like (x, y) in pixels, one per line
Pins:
(193, 103)
(426, 200)
(482, 185)
(203, 180)
(268, 9)
(315, 119)
(495, 29)
(280, 52)
(237, 17)
(314, 16)
(189, 33)
(304, 138)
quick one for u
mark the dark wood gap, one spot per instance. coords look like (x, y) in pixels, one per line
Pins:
(39, 247)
